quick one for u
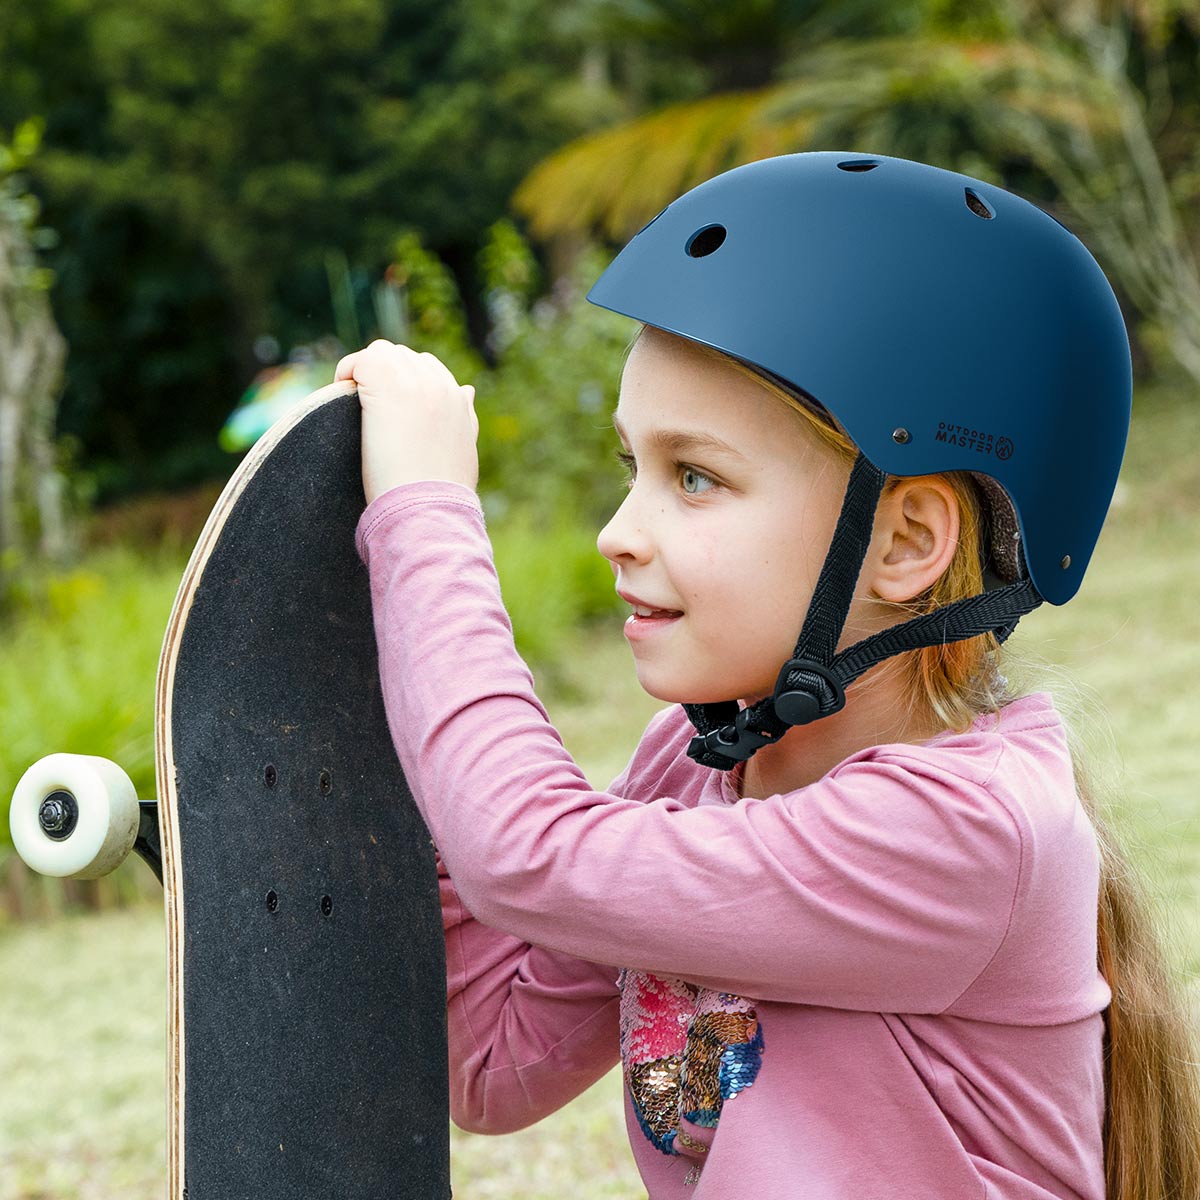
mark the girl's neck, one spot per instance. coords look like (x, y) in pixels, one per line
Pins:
(874, 716)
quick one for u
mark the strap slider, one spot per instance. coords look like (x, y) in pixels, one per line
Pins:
(816, 694)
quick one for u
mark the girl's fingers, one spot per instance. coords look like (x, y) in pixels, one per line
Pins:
(381, 352)
(345, 368)
(380, 346)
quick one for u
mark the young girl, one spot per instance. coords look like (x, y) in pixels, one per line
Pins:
(837, 918)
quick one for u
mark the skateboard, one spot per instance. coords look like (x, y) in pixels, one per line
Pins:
(307, 1051)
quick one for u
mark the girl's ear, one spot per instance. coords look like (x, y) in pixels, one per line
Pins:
(915, 536)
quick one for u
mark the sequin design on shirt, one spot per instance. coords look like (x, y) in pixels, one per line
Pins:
(685, 1050)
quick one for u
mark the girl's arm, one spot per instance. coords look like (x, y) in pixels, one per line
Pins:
(886, 886)
(529, 1029)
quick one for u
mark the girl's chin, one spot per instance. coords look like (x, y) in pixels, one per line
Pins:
(680, 692)
(657, 679)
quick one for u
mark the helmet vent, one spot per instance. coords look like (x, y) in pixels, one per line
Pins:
(978, 206)
(704, 241)
(858, 164)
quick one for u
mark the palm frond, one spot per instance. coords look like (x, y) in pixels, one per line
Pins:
(616, 180)
(613, 181)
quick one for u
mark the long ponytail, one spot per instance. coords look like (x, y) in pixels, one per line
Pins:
(1152, 1085)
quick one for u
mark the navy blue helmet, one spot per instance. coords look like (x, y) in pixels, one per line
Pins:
(948, 325)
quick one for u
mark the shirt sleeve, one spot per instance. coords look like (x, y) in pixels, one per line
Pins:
(888, 885)
(529, 1029)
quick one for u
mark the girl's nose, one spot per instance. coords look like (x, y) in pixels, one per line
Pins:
(624, 537)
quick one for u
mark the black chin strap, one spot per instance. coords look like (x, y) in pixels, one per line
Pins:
(812, 683)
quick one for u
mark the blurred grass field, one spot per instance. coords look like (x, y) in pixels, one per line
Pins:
(82, 997)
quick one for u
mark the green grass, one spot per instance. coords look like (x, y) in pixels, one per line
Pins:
(82, 1055)
(77, 672)
(83, 1014)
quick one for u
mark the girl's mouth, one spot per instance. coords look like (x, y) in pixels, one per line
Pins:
(638, 625)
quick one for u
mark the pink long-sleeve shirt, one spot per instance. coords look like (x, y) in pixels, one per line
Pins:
(881, 986)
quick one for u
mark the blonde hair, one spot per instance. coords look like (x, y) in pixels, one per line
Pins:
(1152, 1088)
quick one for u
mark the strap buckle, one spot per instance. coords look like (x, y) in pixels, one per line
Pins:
(736, 749)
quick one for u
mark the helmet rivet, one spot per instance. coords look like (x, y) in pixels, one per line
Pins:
(1066, 562)
(901, 436)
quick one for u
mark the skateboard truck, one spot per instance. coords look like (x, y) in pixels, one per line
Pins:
(78, 815)
(146, 846)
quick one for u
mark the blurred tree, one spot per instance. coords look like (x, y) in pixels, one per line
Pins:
(1064, 104)
(740, 46)
(202, 163)
(32, 351)
(1132, 179)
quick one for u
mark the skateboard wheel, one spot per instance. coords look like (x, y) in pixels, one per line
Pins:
(74, 815)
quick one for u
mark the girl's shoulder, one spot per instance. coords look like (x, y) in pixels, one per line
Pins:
(1020, 751)
(1027, 730)
(1020, 757)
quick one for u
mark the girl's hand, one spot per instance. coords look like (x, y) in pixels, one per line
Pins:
(418, 422)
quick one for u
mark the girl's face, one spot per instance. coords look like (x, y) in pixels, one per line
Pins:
(731, 507)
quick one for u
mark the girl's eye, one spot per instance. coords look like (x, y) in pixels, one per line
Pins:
(691, 480)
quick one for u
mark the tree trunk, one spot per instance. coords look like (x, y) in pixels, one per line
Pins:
(33, 520)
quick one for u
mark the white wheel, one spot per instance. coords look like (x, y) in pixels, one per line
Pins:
(74, 814)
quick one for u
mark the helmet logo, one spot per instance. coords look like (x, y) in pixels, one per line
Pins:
(974, 439)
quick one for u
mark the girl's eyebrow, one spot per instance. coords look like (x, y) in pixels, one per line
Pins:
(680, 441)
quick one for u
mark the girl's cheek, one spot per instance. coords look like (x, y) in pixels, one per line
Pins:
(709, 561)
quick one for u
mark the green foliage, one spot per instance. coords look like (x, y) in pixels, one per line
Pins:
(546, 440)
(511, 277)
(434, 317)
(20, 210)
(78, 666)
(203, 162)
(986, 20)
(742, 45)
(552, 578)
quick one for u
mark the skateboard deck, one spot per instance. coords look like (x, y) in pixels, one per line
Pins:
(306, 968)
